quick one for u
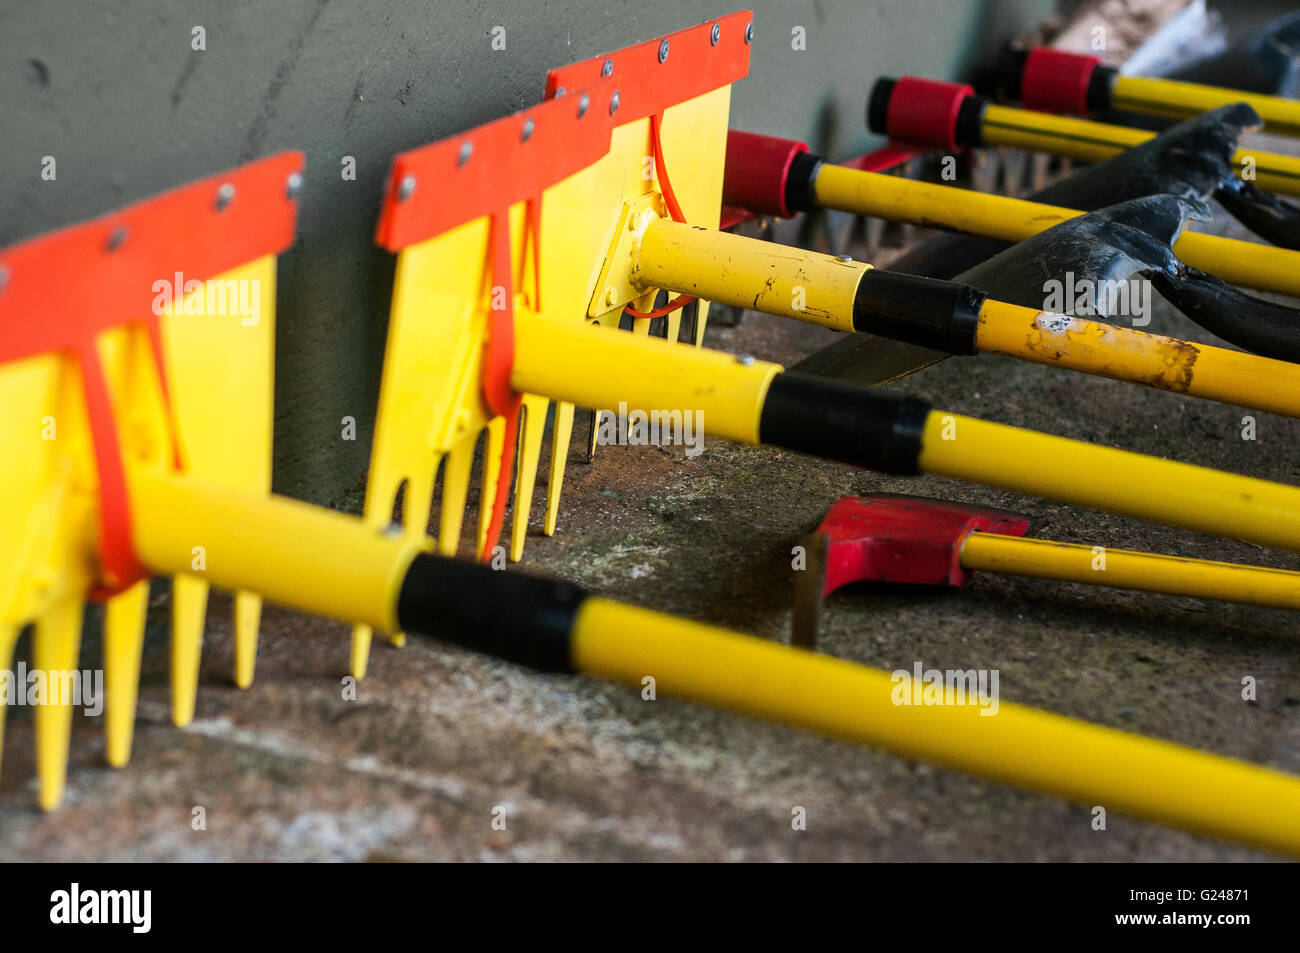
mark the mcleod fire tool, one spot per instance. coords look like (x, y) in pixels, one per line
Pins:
(504, 237)
(910, 540)
(121, 461)
(655, 247)
(1058, 81)
(780, 177)
(952, 117)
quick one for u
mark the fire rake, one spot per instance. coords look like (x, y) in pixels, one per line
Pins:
(951, 116)
(1059, 81)
(780, 177)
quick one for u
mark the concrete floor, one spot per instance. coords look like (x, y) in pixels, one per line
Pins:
(413, 769)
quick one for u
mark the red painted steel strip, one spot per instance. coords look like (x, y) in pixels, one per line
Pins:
(494, 166)
(694, 66)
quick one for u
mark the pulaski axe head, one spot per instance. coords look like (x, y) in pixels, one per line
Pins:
(526, 214)
(888, 538)
(141, 340)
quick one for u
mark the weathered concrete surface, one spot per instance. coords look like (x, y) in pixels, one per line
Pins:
(438, 738)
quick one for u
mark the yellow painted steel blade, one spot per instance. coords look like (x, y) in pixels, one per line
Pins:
(561, 434)
(56, 644)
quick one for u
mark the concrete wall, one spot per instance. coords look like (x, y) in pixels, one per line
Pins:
(116, 94)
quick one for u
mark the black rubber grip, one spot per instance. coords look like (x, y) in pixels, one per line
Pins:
(876, 429)
(1011, 64)
(941, 315)
(878, 105)
(509, 615)
(1100, 85)
(801, 182)
(968, 131)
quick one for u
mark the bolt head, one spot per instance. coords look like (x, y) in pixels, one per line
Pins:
(466, 150)
(583, 104)
(117, 238)
(4, 277)
(607, 68)
(293, 185)
(663, 51)
(745, 359)
(844, 257)
(406, 188)
(614, 103)
(715, 34)
(749, 33)
(225, 195)
(527, 132)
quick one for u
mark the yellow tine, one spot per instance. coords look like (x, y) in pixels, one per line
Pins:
(55, 647)
(594, 435)
(531, 429)
(361, 637)
(189, 612)
(455, 492)
(641, 328)
(248, 618)
(124, 618)
(383, 482)
(8, 636)
(560, 435)
(416, 503)
(701, 319)
(496, 441)
(675, 323)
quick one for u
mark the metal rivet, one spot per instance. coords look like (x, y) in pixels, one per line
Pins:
(466, 150)
(294, 185)
(746, 359)
(406, 188)
(116, 239)
(663, 51)
(225, 195)
(527, 132)
(559, 91)
(749, 33)
(715, 34)
(607, 68)
(845, 257)
(583, 103)
(614, 103)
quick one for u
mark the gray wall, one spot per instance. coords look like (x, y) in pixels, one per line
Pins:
(113, 91)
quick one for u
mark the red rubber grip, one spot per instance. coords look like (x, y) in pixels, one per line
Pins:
(1057, 81)
(756, 172)
(924, 111)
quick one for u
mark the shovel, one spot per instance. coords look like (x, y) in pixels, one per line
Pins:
(911, 540)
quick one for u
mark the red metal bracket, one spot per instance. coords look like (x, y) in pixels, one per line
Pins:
(59, 291)
(483, 172)
(654, 75)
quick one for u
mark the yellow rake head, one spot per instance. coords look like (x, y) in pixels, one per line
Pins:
(142, 340)
(524, 215)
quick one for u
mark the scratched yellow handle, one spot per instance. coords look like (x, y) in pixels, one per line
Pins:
(1126, 354)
